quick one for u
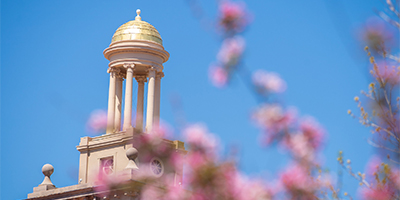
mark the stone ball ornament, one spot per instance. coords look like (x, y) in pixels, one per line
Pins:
(132, 153)
(47, 169)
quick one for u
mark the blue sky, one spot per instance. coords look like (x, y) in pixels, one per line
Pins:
(53, 74)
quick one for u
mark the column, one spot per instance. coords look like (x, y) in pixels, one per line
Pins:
(140, 103)
(157, 99)
(111, 101)
(128, 96)
(118, 101)
(150, 100)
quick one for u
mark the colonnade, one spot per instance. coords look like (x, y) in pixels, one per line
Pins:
(117, 76)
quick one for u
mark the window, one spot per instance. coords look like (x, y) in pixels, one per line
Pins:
(156, 167)
(107, 165)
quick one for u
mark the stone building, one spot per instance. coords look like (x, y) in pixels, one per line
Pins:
(136, 53)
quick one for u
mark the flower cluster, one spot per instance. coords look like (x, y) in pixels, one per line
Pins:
(206, 177)
(381, 112)
(298, 183)
(386, 73)
(228, 59)
(377, 35)
(106, 182)
(231, 51)
(97, 122)
(274, 120)
(218, 76)
(384, 183)
(268, 82)
(233, 18)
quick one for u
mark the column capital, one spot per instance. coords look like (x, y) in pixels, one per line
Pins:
(152, 68)
(159, 75)
(129, 65)
(120, 75)
(141, 78)
(113, 69)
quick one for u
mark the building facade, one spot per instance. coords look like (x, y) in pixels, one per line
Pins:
(136, 53)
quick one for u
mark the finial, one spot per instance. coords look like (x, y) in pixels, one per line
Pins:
(138, 15)
(132, 154)
(47, 170)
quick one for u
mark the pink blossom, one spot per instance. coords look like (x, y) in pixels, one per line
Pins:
(387, 72)
(97, 122)
(175, 192)
(150, 146)
(218, 76)
(255, 190)
(298, 182)
(377, 34)
(168, 191)
(373, 165)
(231, 51)
(274, 119)
(154, 144)
(197, 159)
(395, 177)
(177, 160)
(304, 142)
(233, 16)
(203, 145)
(268, 81)
(197, 136)
(313, 131)
(300, 147)
(378, 193)
(163, 130)
(150, 192)
(202, 153)
(380, 188)
(248, 189)
(105, 182)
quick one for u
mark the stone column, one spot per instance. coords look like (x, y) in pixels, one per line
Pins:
(140, 103)
(128, 96)
(150, 100)
(111, 101)
(157, 99)
(118, 102)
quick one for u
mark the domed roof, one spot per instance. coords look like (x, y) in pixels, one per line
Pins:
(137, 30)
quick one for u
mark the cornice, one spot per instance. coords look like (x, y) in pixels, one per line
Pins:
(112, 50)
(137, 42)
(126, 60)
(113, 139)
(80, 191)
(106, 140)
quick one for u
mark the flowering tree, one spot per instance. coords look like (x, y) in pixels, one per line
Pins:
(380, 113)
(209, 177)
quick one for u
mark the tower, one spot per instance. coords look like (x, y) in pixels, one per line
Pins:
(136, 52)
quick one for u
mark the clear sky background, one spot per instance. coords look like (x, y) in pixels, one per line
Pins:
(53, 74)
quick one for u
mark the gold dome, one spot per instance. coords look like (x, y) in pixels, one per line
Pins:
(137, 30)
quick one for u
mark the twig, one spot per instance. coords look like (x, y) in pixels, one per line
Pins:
(383, 147)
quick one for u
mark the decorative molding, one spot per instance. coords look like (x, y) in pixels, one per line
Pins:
(138, 41)
(110, 51)
(159, 75)
(113, 69)
(135, 61)
(129, 65)
(120, 75)
(141, 78)
(152, 68)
